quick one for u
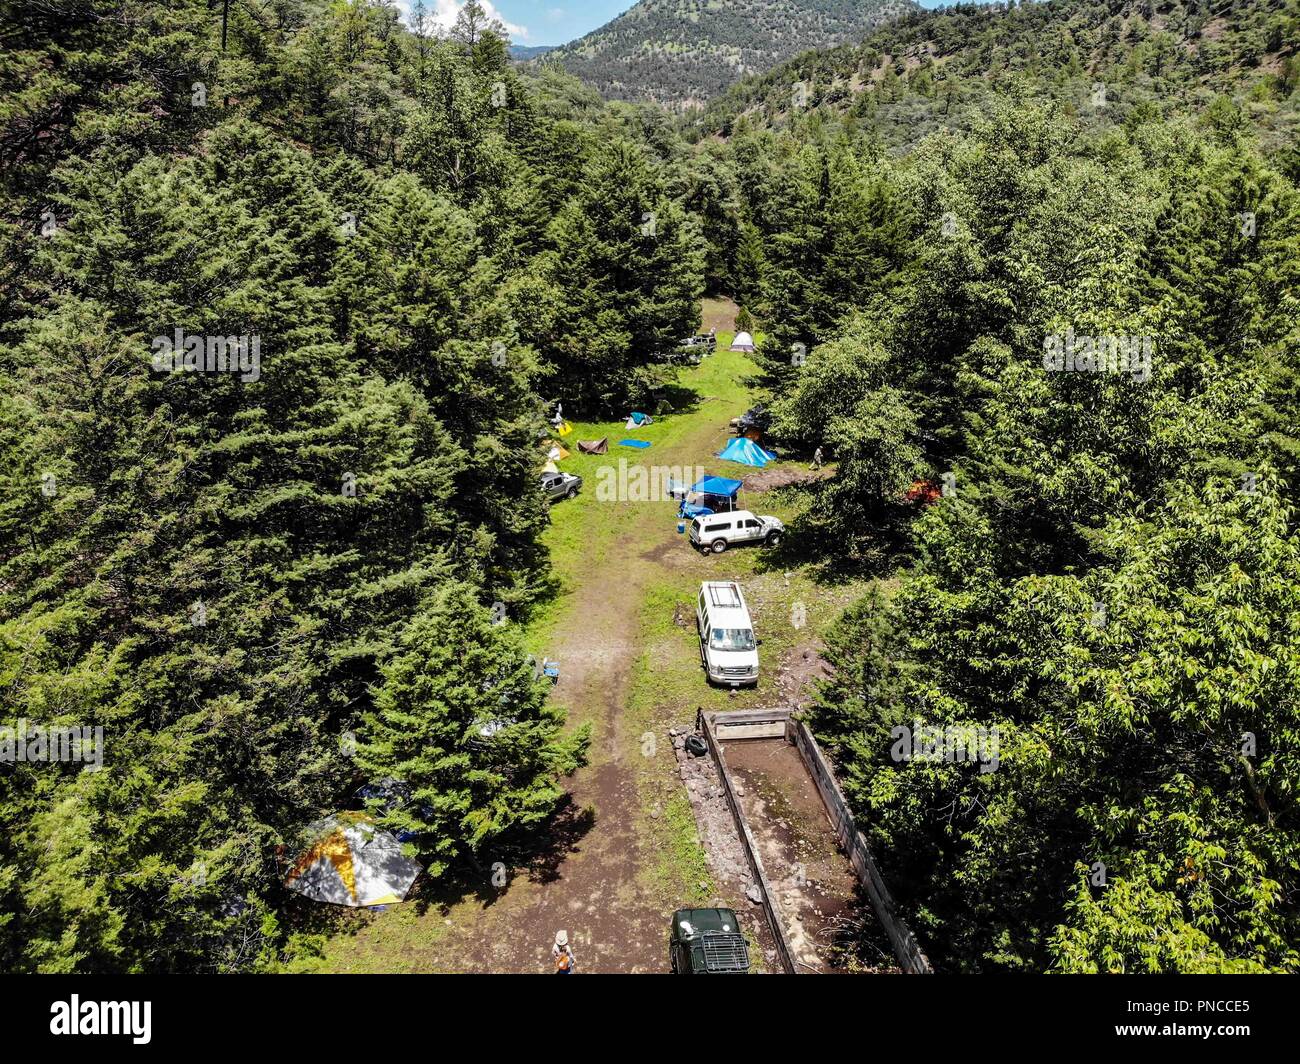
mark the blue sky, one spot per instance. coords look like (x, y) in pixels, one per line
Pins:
(546, 21)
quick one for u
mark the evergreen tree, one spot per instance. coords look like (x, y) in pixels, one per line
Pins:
(461, 718)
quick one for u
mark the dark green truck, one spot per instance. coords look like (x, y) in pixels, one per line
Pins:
(707, 942)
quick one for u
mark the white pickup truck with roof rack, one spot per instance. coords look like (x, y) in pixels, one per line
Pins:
(728, 647)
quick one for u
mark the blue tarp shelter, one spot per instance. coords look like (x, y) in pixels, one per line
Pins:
(717, 486)
(746, 452)
(709, 496)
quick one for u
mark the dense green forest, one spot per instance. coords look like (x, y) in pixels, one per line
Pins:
(1049, 260)
(1107, 61)
(243, 576)
(1110, 575)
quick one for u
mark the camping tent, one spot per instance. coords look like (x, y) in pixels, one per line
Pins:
(708, 496)
(594, 446)
(349, 861)
(557, 453)
(637, 419)
(742, 342)
(746, 452)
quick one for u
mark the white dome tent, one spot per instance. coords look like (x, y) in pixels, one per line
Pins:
(351, 862)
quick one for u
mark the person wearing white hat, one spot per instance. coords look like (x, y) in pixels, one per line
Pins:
(562, 954)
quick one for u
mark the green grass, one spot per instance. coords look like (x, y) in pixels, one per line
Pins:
(582, 530)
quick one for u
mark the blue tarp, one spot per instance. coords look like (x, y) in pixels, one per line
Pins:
(746, 452)
(633, 443)
(717, 486)
(711, 488)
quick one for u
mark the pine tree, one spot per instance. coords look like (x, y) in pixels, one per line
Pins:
(637, 273)
(461, 718)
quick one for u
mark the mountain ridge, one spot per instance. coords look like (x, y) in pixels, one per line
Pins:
(682, 53)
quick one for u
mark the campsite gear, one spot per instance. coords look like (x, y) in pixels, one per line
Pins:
(557, 453)
(742, 342)
(637, 418)
(638, 444)
(925, 492)
(551, 670)
(349, 861)
(387, 796)
(681, 527)
(746, 452)
(756, 418)
(600, 446)
(709, 496)
(564, 428)
(696, 746)
(550, 467)
(707, 942)
(559, 485)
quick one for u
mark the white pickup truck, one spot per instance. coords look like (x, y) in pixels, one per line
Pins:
(717, 532)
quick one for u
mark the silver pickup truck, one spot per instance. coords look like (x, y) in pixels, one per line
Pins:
(561, 485)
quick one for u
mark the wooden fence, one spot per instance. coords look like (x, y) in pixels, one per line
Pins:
(906, 948)
(774, 723)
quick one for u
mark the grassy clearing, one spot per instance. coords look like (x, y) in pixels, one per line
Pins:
(585, 531)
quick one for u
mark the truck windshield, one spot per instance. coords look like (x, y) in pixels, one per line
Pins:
(732, 639)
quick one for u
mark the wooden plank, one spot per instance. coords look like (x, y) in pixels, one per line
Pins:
(757, 730)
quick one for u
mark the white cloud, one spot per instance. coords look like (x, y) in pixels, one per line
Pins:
(442, 13)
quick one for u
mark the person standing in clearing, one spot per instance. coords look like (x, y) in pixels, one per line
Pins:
(817, 458)
(562, 954)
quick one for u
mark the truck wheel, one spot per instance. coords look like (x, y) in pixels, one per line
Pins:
(773, 538)
(718, 546)
(572, 493)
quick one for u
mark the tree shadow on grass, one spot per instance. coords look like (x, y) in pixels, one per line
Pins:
(535, 854)
(676, 400)
(829, 560)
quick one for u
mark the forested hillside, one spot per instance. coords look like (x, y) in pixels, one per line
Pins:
(253, 578)
(684, 52)
(1107, 61)
(286, 301)
(1109, 575)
